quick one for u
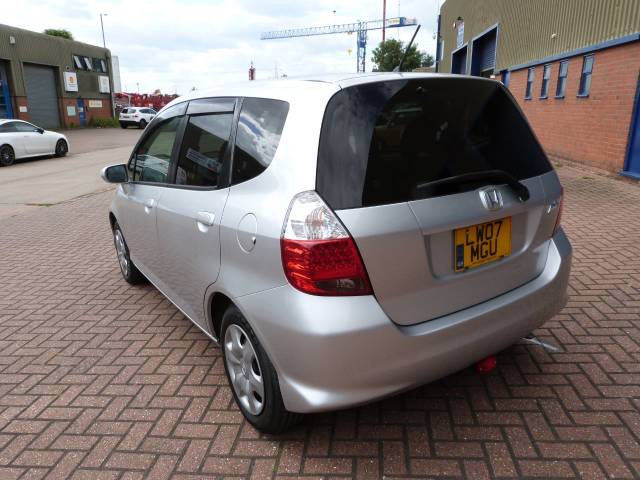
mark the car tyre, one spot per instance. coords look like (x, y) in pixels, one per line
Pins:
(62, 148)
(7, 155)
(129, 271)
(252, 377)
(143, 124)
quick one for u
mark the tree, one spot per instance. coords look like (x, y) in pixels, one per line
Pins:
(59, 32)
(388, 54)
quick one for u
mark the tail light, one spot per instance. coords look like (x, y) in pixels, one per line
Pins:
(559, 217)
(319, 256)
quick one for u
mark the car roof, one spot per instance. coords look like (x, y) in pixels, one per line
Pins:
(5, 120)
(290, 88)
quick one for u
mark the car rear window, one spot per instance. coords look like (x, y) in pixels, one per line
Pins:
(379, 141)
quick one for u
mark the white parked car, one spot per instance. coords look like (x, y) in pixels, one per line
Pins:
(20, 139)
(138, 116)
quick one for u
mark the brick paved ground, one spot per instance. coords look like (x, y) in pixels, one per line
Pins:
(100, 380)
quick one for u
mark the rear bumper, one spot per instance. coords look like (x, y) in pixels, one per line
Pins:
(333, 352)
(129, 122)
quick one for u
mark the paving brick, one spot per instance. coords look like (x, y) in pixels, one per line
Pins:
(100, 380)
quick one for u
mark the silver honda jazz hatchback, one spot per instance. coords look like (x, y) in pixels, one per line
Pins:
(344, 238)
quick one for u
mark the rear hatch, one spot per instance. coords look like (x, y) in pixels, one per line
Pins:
(429, 176)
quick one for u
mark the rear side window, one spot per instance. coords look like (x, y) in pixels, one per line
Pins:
(380, 141)
(259, 128)
(151, 161)
(8, 127)
(24, 127)
(205, 146)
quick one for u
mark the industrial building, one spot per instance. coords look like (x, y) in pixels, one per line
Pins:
(572, 65)
(51, 81)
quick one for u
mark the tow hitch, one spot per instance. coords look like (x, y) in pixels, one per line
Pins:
(487, 365)
(536, 341)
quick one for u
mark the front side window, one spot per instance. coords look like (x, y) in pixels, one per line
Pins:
(259, 128)
(546, 75)
(530, 77)
(151, 161)
(205, 146)
(562, 79)
(585, 78)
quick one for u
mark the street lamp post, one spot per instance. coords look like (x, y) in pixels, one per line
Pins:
(104, 44)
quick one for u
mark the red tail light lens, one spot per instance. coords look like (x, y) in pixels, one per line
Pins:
(325, 267)
(319, 257)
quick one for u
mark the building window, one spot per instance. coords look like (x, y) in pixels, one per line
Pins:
(585, 78)
(88, 63)
(530, 75)
(562, 78)
(103, 64)
(78, 62)
(546, 75)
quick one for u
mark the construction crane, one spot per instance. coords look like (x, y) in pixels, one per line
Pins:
(361, 28)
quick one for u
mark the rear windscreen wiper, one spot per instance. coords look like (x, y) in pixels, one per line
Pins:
(426, 189)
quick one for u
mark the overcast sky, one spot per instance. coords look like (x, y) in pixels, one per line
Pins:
(175, 45)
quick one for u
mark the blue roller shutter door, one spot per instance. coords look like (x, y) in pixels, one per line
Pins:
(484, 54)
(459, 61)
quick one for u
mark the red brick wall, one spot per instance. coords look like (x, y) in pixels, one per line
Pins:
(592, 130)
(101, 112)
(21, 102)
(90, 112)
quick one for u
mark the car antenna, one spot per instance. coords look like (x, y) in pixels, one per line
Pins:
(399, 67)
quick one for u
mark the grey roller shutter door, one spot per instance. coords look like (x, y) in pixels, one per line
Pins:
(42, 95)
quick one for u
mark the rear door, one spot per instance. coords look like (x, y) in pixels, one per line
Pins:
(434, 242)
(189, 213)
(148, 114)
(9, 134)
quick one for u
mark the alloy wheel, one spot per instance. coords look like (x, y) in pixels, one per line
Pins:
(61, 148)
(6, 156)
(121, 250)
(244, 369)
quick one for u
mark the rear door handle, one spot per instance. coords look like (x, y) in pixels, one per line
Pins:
(150, 203)
(205, 218)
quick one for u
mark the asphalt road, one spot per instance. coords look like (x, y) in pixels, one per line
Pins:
(46, 181)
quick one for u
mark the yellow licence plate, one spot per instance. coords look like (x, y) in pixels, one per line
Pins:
(482, 243)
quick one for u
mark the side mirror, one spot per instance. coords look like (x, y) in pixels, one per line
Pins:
(115, 174)
(40, 130)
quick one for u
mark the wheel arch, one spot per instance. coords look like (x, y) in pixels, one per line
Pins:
(112, 219)
(218, 304)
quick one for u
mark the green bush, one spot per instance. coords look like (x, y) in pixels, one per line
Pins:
(103, 122)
